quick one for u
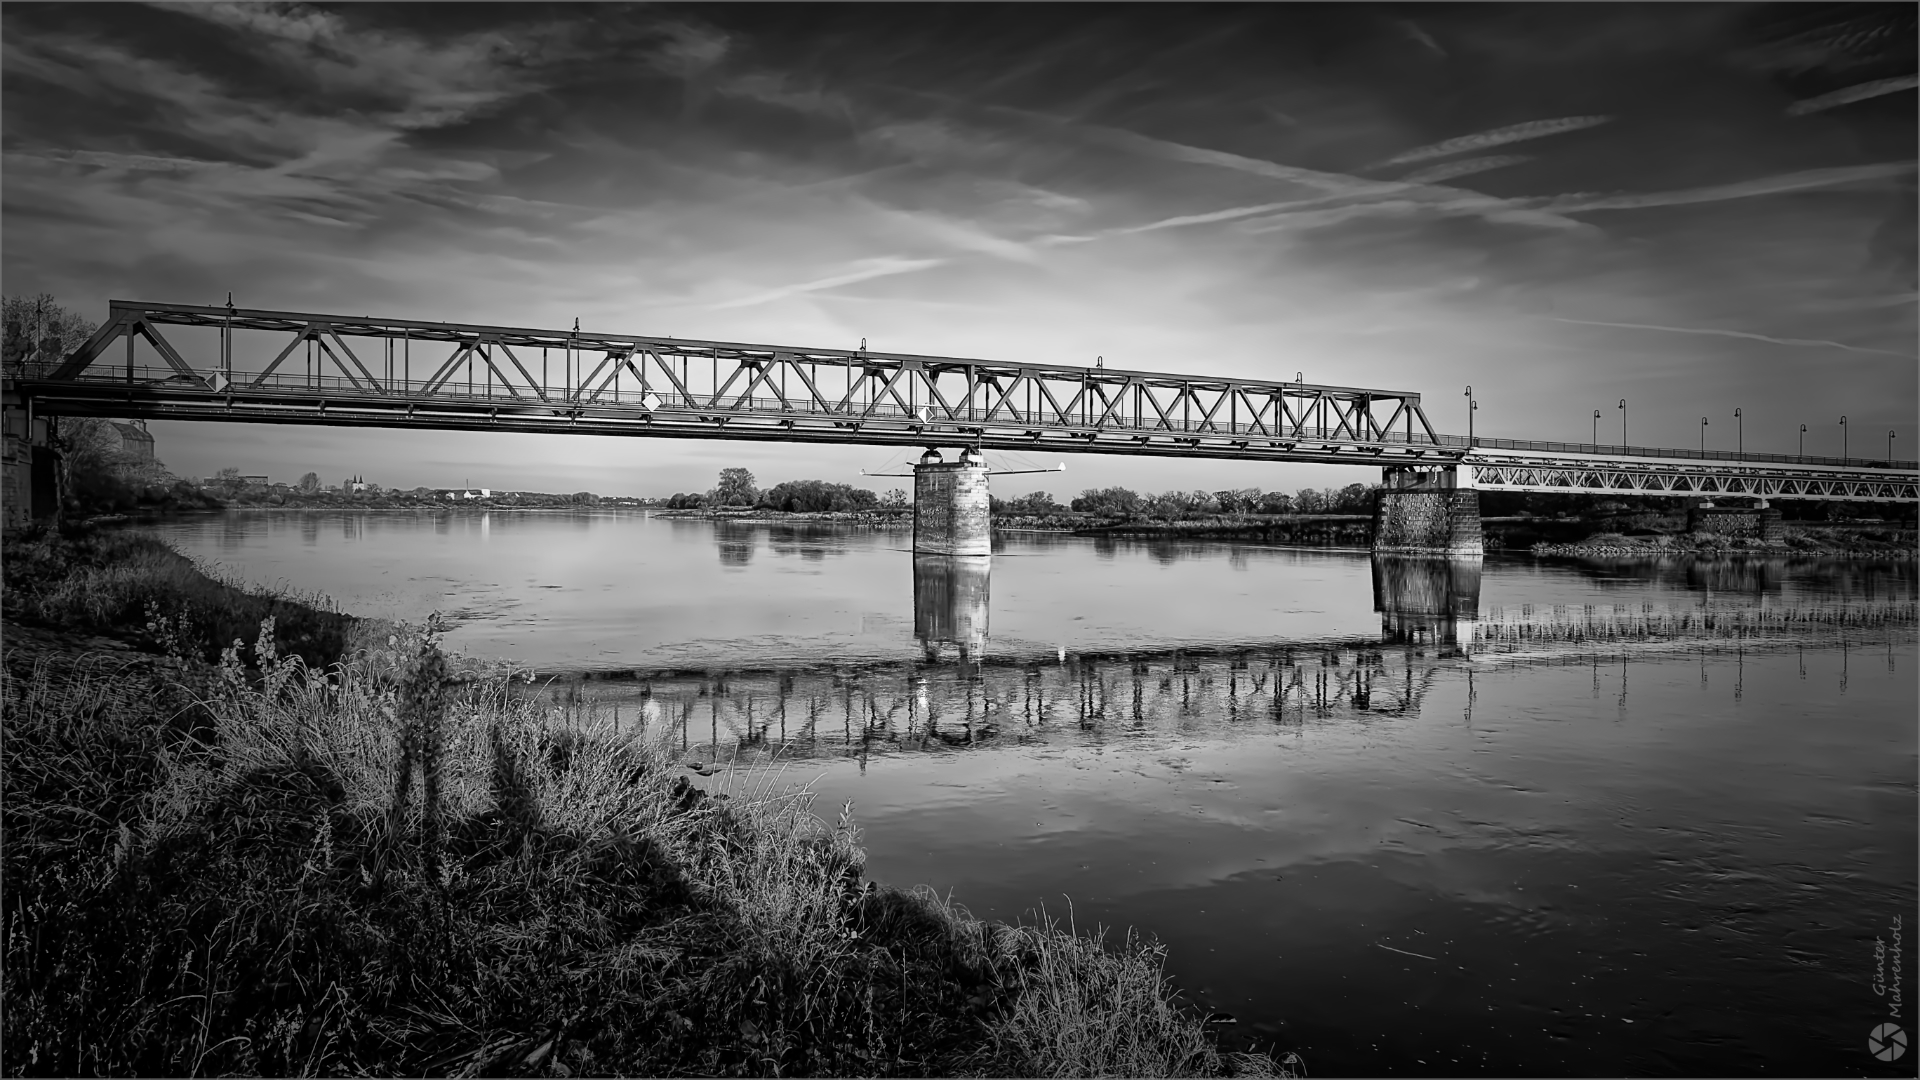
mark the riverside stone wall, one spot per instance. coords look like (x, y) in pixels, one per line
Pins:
(1742, 521)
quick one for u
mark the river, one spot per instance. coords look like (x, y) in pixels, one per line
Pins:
(1508, 817)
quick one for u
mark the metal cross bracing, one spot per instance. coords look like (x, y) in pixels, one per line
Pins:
(502, 378)
(1632, 474)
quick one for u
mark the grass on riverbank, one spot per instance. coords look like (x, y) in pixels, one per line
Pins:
(129, 584)
(250, 878)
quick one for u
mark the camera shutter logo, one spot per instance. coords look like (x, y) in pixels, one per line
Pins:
(1887, 1042)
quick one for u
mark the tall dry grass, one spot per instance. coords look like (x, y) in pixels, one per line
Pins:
(236, 880)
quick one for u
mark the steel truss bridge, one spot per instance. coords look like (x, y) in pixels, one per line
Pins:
(188, 362)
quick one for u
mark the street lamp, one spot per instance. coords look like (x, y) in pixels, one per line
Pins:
(1843, 438)
(1703, 436)
(1596, 427)
(1623, 423)
(1740, 433)
(1803, 442)
(1472, 405)
(1889, 446)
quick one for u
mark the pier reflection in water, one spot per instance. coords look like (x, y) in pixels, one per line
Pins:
(950, 600)
(1427, 601)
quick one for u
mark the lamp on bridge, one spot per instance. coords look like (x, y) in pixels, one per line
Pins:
(1803, 441)
(1843, 438)
(1889, 446)
(1703, 436)
(1472, 407)
(1740, 433)
(1596, 427)
(1623, 423)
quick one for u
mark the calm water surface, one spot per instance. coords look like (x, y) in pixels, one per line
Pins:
(1519, 817)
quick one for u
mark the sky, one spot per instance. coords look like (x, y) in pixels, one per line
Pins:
(1696, 208)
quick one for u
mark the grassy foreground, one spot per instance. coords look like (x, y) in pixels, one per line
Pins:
(267, 866)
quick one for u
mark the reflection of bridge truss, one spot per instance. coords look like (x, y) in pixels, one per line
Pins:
(484, 377)
(808, 713)
(1515, 470)
(1527, 627)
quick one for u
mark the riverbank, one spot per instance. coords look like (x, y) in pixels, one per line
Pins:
(226, 863)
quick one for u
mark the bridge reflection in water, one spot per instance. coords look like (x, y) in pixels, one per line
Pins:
(959, 696)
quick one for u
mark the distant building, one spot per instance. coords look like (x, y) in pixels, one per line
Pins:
(356, 484)
(134, 439)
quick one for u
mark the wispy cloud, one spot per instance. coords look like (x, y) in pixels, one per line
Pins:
(1851, 94)
(1448, 170)
(1771, 185)
(1485, 140)
(1742, 334)
(884, 266)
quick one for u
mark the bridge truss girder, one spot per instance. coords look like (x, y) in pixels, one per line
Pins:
(1506, 472)
(624, 384)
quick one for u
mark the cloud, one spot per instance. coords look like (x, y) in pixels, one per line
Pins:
(1851, 94)
(1532, 129)
(1412, 30)
(1448, 170)
(884, 266)
(1771, 185)
(1742, 334)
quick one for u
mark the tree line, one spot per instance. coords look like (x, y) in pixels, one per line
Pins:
(737, 489)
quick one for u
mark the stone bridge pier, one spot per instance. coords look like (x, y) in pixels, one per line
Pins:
(30, 487)
(951, 515)
(1428, 511)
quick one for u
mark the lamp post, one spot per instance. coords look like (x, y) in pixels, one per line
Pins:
(1740, 433)
(1703, 436)
(1472, 405)
(1803, 442)
(1843, 439)
(1596, 427)
(1623, 423)
(1889, 446)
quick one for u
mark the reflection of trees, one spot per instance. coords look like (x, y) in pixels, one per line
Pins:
(1812, 575)
(735, 543)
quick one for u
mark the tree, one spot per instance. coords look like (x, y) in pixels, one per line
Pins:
(1309, 501)
(40, 330)
(735, 489)
(1113, 500)
(895, 499)
(309, 483)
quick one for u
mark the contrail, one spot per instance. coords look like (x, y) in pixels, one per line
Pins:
(886, 267)
(1851, 94)
(1771, 185)
(1734, 334)
(1532, 129)
(1448, 170)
